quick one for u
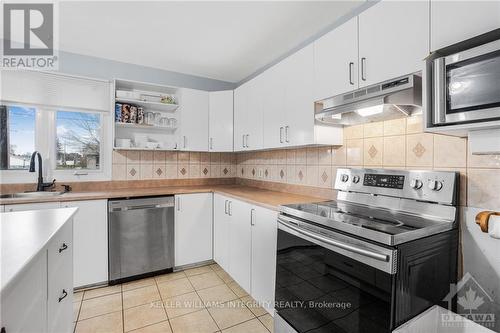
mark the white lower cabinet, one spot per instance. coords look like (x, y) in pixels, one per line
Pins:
(245, 246)
(60, 281)
(193, 228)
(264, 238)
(90, 235)
(41, 299)
(240, 242)
(221, 231)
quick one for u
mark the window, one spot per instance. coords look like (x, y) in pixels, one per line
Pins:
(17, 137)
(67, 119)
(78, 140)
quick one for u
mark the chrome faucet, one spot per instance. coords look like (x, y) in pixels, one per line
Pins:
(41, 186)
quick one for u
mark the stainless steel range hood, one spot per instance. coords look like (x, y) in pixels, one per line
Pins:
(401, 97)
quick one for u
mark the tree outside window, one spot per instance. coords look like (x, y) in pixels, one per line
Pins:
(78, 140)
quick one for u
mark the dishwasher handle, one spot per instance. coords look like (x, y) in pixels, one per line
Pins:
(137, 207)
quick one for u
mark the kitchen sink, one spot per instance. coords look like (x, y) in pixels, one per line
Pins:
(30, 195)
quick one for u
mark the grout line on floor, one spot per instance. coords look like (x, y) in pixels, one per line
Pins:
(203, 302)
(163, 304)
(123, 309)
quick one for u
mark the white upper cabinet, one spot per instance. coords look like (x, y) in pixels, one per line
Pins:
(193, 129)
(240, 112)
(288, 104)
(273, 101)
(393, 40)
(220, 124)
(336, 61)
(248, 116)
(299, 102)
(455, 21)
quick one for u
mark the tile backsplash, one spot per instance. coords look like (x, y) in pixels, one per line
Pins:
(393, 144)
(141, 165)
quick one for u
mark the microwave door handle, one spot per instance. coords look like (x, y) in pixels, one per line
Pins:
(439, 85)
(347, 247)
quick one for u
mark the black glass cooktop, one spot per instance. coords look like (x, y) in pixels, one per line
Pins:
(361, 220)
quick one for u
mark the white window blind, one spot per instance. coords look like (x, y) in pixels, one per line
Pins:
(54, 90)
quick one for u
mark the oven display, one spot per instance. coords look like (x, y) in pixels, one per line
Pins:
(388, 181)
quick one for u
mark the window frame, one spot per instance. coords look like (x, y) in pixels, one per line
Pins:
(104, 171)
(45, 144)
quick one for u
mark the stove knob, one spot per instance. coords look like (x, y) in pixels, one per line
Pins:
(416, 184)
(344, 178)
(435, 185)
(355, 179)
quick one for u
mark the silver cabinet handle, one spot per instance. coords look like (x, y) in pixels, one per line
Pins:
(363, 65)
(230, 208)
(252, 220)
(286, 133)
(351, 65)
(225, 207)
(211, 143)
(281, 134)
(243, 140)
(179, 204)
(341, 245)
(248, 136)
(185, 141)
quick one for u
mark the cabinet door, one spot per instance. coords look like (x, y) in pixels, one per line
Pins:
(221, 231)
(240, 243)
(31, 206)
(455, 21)
(194, 120)
(90, 239)
(221, 121)
(264, 233)
(336, 61)
(193, 228)
(393, 40)
(254, 117)
(240, 116)
(273, 107)
(24, 302)
(299, 102)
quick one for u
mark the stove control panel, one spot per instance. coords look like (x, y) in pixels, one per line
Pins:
(381, 180)
(434, 186)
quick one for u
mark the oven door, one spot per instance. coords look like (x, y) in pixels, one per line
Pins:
(330, 282)
(467, 85)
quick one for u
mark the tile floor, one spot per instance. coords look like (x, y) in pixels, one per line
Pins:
(197, 300)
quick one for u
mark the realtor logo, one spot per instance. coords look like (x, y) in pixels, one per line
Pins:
(473, 303)
(29, 36)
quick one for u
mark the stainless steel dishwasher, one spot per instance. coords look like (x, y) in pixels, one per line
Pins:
(141, 237)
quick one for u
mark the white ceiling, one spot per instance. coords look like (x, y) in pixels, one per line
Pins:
(220, 40)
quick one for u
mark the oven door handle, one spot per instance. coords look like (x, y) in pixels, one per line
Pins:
(347, 247)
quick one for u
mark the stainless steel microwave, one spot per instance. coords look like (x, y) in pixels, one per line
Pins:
(464, 87)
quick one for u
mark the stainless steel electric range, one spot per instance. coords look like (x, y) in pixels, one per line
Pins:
(380, 254)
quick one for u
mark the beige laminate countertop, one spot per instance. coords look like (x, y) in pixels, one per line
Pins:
(253, 195)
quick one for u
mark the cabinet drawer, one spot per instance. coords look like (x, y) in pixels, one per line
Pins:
(60, 280)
